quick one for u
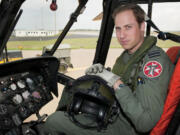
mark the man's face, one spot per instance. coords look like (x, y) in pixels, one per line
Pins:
(129, 34)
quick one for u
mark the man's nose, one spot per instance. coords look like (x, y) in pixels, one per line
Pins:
(122, 34)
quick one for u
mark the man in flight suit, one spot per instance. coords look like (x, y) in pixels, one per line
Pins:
(140, 78)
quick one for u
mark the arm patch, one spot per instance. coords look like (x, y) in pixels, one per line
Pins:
(152, 69)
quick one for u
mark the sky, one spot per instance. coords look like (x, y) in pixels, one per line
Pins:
(37, 15)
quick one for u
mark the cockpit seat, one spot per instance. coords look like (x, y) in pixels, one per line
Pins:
(174, 53)
(170, 119)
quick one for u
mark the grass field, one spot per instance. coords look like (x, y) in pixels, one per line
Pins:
(76, 43)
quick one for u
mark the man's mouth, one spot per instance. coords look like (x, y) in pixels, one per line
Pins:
(124, 42)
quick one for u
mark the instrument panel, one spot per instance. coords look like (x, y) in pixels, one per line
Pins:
(25, 91)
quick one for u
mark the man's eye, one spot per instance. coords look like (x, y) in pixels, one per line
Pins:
(118, 29)
(128, 27)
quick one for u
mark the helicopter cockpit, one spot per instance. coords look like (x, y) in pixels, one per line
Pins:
(27, 85)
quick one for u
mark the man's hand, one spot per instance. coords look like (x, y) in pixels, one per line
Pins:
(94, 69)
(100, 71)
(117, 84)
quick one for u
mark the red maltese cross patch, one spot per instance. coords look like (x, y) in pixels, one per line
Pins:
(152, 69)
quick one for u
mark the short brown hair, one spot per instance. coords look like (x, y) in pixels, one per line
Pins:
(137, 11)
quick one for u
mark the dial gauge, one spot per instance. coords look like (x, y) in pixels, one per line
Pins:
(21, 84)
(17, 99)
(13, 86)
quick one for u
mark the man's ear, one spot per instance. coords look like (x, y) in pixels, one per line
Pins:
(142, 26)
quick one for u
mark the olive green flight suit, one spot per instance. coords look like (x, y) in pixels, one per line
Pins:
(143, 105)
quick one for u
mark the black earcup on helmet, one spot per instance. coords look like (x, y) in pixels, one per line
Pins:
(77, 106)
(101, 114)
